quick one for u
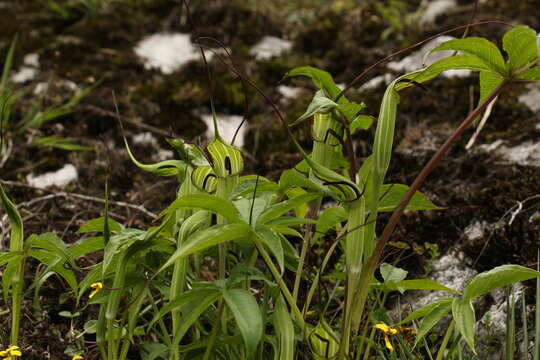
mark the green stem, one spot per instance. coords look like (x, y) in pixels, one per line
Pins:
(17, 296)
(282, 286)
(215, 329)
(446, 339)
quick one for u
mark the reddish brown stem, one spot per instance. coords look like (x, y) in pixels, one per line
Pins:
(396, 215)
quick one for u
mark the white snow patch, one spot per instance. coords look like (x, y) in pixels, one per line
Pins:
(475, 230)
(376, 81)
(432, 9)
(41, 88)
(145, 138)
(24, 74)
(31, 60)
(289, 92)
(167, 51)
(28, 71)
(527, 153)
(58, 178)
(227, 127)
(532, 97)
(269, 47)
(163, 155)
(451, 271)
(415, 61)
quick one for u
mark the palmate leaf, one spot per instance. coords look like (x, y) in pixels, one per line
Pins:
(482, 48)
(520, 45)
(248, 317)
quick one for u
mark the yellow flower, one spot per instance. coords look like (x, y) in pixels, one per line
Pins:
(387, 330)
(10, 352)
(97, 287)
(77, 357)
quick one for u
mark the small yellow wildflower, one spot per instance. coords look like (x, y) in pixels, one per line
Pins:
(77, 357)
(387, 330)
(10, 352)
(97, 287)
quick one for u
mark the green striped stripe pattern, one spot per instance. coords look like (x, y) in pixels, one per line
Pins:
(204, 178)
(225, 159)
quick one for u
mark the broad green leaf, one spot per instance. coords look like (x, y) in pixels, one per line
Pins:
(520, 45)
(55, 245)
(463, 314)
(204, 239)
(319, 104)
(458, 62)
(392, 194)
(206, 202)
(283, 207)
(351, 110)
(284, 328)
(68, 143)
(87, 246)
(55, 263)
(246, 186)
(321, 79)
(301, 210)
(361, 122)
(482, 48)
(153, 351)
(243, 272)
(195, 222)
(496, 278)
(291, 221)
(435, 312)
(96, 225)
(273, 241)
(329, 219)
(293, 178)
(192, 296)
(7, 257)
(424, 284)
(120, 241)
(488, 82)
(391, 273)
(533, 74)
(250, 209)
(248, 317)
(424, 311)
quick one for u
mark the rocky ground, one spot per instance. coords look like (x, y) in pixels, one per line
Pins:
(143, 52)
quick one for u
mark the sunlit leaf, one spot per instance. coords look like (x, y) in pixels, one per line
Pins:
(463, 315)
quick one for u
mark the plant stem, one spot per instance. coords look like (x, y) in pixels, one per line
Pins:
(215, 330)
(444, 344)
